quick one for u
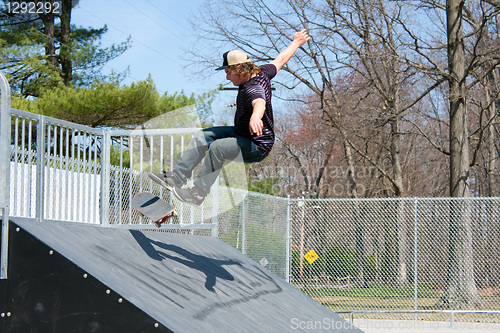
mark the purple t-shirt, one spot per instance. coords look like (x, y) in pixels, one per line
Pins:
(257, 87)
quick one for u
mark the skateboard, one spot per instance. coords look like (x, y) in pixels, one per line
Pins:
(154, 208)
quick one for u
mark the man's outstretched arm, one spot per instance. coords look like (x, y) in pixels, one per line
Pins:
(299, 39)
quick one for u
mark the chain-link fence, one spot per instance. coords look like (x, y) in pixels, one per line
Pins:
(257, 226)
(398, 254)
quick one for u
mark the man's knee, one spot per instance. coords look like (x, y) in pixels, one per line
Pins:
(200, 137)
(224, 149)
(217, 148)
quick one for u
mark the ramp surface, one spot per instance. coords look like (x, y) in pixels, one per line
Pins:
(188, 283)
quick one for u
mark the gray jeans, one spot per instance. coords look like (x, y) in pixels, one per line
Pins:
(222, 145)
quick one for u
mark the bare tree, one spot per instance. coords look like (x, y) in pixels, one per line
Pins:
(485, 104)
(460, 290)
(368, 47)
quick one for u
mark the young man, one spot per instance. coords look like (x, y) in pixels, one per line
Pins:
(251, 138)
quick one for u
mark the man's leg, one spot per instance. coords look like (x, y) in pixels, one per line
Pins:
(196, 150)
(191, 157)
(236, 149)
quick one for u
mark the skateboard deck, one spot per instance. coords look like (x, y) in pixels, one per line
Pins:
(152, 207)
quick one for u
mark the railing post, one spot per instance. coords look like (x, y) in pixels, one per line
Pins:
(215, 209)
(243, 227)
(4, 170)
(40, 169)
(105, 177)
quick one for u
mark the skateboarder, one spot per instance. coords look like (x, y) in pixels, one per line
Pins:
(251, 138)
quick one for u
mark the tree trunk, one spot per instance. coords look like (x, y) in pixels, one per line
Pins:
(401, 277)
(359, 232)
(65, 51)
(396, 157)
(460, 290)
(490, 170)
(492, 151)
(50, 46)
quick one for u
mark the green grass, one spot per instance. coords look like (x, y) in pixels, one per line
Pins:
(382, 297)
(378, 291)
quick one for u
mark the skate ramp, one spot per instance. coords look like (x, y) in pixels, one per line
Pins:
(182, 283)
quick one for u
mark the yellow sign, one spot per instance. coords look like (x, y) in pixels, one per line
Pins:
(311, 256)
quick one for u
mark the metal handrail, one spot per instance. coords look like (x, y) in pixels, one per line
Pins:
(4, 170)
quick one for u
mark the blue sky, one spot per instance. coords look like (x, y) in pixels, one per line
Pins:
(159, 30)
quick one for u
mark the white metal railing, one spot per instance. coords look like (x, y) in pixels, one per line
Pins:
(56, 169)
(140, 151)
(69, 172)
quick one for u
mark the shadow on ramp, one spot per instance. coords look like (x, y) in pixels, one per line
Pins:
(211, 268)
(162, 282)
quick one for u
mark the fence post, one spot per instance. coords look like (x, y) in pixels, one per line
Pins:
(415, 269)
(288, 239)
(215, 209)
(4, 170)
(243, 227)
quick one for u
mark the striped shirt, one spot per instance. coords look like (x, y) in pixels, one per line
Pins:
(257, 87)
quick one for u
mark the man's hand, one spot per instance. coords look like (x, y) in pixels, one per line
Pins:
(256, 125)
(301, 37)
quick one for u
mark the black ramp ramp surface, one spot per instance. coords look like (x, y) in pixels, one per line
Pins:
(188, 283)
